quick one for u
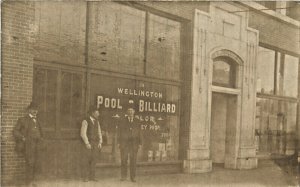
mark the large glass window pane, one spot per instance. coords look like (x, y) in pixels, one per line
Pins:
(163, 48)
(71, 105)
(77, 99)
(160, 129)
(117, 37)
(265, 71)
(65, 103)
(275, 126)
(290, 80)
(45, 95)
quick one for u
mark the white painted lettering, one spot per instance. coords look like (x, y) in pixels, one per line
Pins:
(120, 90)
(173, 108)
(163, 107)
(168, 108)
(118, 103)
(149, 105)
(141, 106)
(106, 102)
(113, 103)
(99, 101)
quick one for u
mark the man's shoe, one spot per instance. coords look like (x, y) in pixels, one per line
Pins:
(133, 180)
(122, 179)
(85, 180)
(94, 180)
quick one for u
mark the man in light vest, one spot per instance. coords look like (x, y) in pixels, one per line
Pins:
(92, 138)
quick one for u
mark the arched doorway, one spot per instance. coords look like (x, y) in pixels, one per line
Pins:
(225, 97)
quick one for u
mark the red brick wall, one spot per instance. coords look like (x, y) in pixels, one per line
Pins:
(17, 72)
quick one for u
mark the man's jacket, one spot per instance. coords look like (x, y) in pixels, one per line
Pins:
(129, 133)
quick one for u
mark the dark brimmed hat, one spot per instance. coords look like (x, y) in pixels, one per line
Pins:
(32, 106)
(131, 104)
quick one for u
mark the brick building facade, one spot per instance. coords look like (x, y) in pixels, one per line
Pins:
(203, 58)
(17, 70)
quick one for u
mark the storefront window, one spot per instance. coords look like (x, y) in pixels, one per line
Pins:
(163, 47)
(117, 39)
(275, 126)
(265, 71)
(71, 105)
(44, 94)
(59, 109)
(290, 77)
(157, 110)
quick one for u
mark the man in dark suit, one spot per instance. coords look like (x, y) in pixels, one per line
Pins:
(129, 140)
(28, 135)
(92, 137)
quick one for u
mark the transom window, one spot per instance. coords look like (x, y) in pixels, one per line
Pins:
(224, 72)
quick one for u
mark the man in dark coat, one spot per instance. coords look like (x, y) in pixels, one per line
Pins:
(28, 135)
(129, 140)
(92, 138)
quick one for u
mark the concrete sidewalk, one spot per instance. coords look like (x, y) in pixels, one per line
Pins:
(267, 174)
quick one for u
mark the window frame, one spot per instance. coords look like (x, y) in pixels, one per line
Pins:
(279, 59)
(233, 73)
(58, 130)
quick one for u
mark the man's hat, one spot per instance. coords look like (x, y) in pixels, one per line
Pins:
(32, 106)
(131, 104)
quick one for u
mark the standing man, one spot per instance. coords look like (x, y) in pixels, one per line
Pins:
(28, 135)
(91, 135)
(129, 140)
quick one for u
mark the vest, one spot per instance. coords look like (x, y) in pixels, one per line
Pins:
(92, 131)
(33, 130)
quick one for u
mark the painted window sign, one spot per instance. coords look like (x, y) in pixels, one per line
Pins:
(157, 109)
(143, 105)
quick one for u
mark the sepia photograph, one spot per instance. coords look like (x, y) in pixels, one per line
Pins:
(150, 93)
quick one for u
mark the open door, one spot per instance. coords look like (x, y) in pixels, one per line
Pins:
(223, 129)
